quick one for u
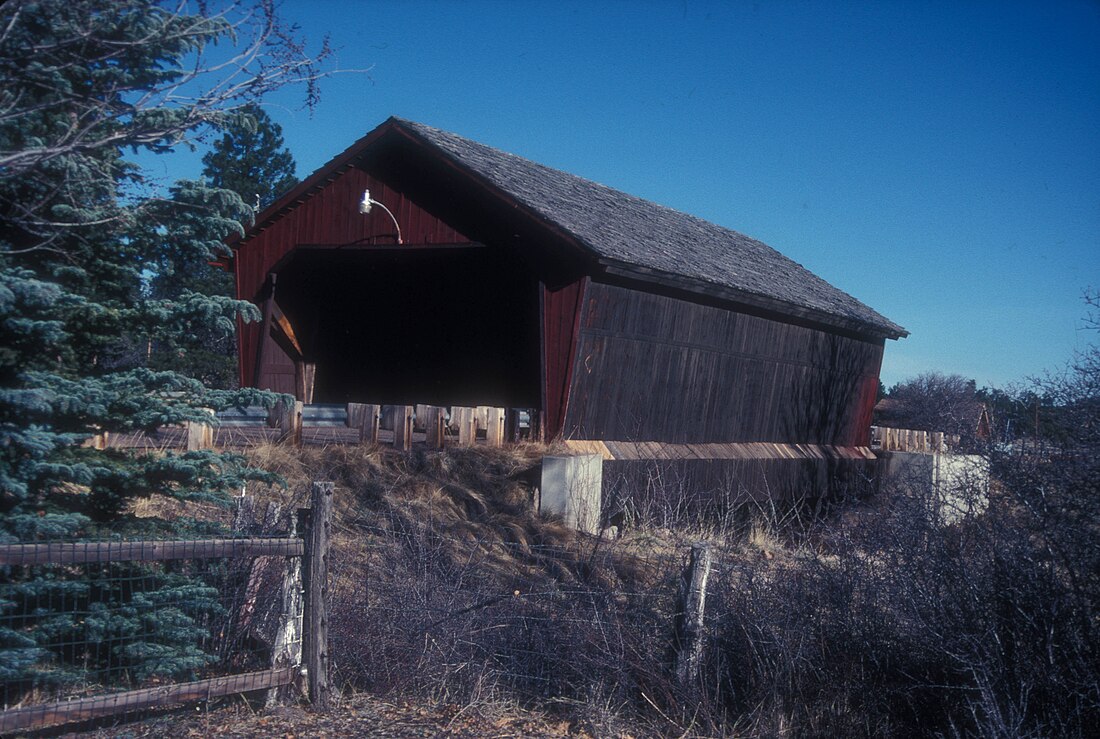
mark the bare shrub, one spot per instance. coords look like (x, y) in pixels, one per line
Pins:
(898, 624)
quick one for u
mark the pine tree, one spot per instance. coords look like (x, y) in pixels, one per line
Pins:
(83, 83)
(250, 159)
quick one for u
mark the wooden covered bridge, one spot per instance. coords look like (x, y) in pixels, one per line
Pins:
(419, 267)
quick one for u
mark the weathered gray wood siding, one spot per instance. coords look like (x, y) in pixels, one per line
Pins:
(656, 368)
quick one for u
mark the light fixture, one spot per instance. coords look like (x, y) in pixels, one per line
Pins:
(365, 206)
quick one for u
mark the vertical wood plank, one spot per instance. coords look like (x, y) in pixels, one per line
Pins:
(305, 376)
(365, 417)
(199, 435)
(511, 425)
(288, 419)
(466, 421)
(402, 427)
(368, 427)
(316, 525)
(494, 426)
(692, 605)
(434, 423)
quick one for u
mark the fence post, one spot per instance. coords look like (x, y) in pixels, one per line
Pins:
(288, 419)
(99, 441)
(494, 426)
(402, 427)
(689, 631)
(200, 435)
(314, 525)
(466, 420)
(434, 424)
(536, 426)
(365, 417)
(511, 425)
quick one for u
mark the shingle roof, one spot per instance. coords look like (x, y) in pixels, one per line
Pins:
(623, 229)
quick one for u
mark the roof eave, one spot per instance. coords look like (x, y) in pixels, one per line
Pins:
(754, 300)
(578, 245)
(298, 194)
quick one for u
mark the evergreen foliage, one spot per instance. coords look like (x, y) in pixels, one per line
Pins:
(250, 159)
(83, 83)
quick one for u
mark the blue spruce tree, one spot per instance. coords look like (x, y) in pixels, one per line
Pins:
(81, 85)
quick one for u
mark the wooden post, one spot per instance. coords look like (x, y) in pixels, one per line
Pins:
(287, 649)
(536, 426)
(689, 632)
(434, 423)
(494, 426)
(937, 442)
(265, 328)
(289, 421)
(511, 426)
(466, 420)
(315, 524)
(388, 412)
(420, 417)
(305, 375)
(402, 427)
(365, 417)
(200, 435)
(99, 441)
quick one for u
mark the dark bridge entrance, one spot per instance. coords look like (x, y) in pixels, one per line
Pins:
(442, 325)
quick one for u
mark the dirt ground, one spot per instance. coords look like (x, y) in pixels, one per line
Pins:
(354, 716)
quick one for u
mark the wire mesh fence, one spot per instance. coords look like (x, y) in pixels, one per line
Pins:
(84, 619)
(451, 616)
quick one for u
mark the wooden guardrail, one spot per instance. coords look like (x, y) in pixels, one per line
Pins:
(889, 439)
(363, 423)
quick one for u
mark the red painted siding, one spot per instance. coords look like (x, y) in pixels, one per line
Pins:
(561, 314)
(330, 216)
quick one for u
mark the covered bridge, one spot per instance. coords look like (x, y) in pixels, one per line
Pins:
(486, 279)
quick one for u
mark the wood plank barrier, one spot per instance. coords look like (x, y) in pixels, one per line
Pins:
(435, 423)
(494, 426)
(200, 435)
(310, 548)
(481, 411)
(512, 425)
(386, 419)
(909, 440)
(465, 420)
(287, 417)
(402, 427)
(420, 417)
(99, 441)
(367, 418)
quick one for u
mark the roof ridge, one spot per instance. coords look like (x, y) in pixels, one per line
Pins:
(627, 234)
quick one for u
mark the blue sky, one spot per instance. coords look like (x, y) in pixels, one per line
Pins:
(939, 161)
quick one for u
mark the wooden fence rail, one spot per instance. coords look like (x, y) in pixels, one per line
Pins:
(63, 553)
(86, 709)
(311, 546)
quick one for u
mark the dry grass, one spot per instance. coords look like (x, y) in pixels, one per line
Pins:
(874, 619)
